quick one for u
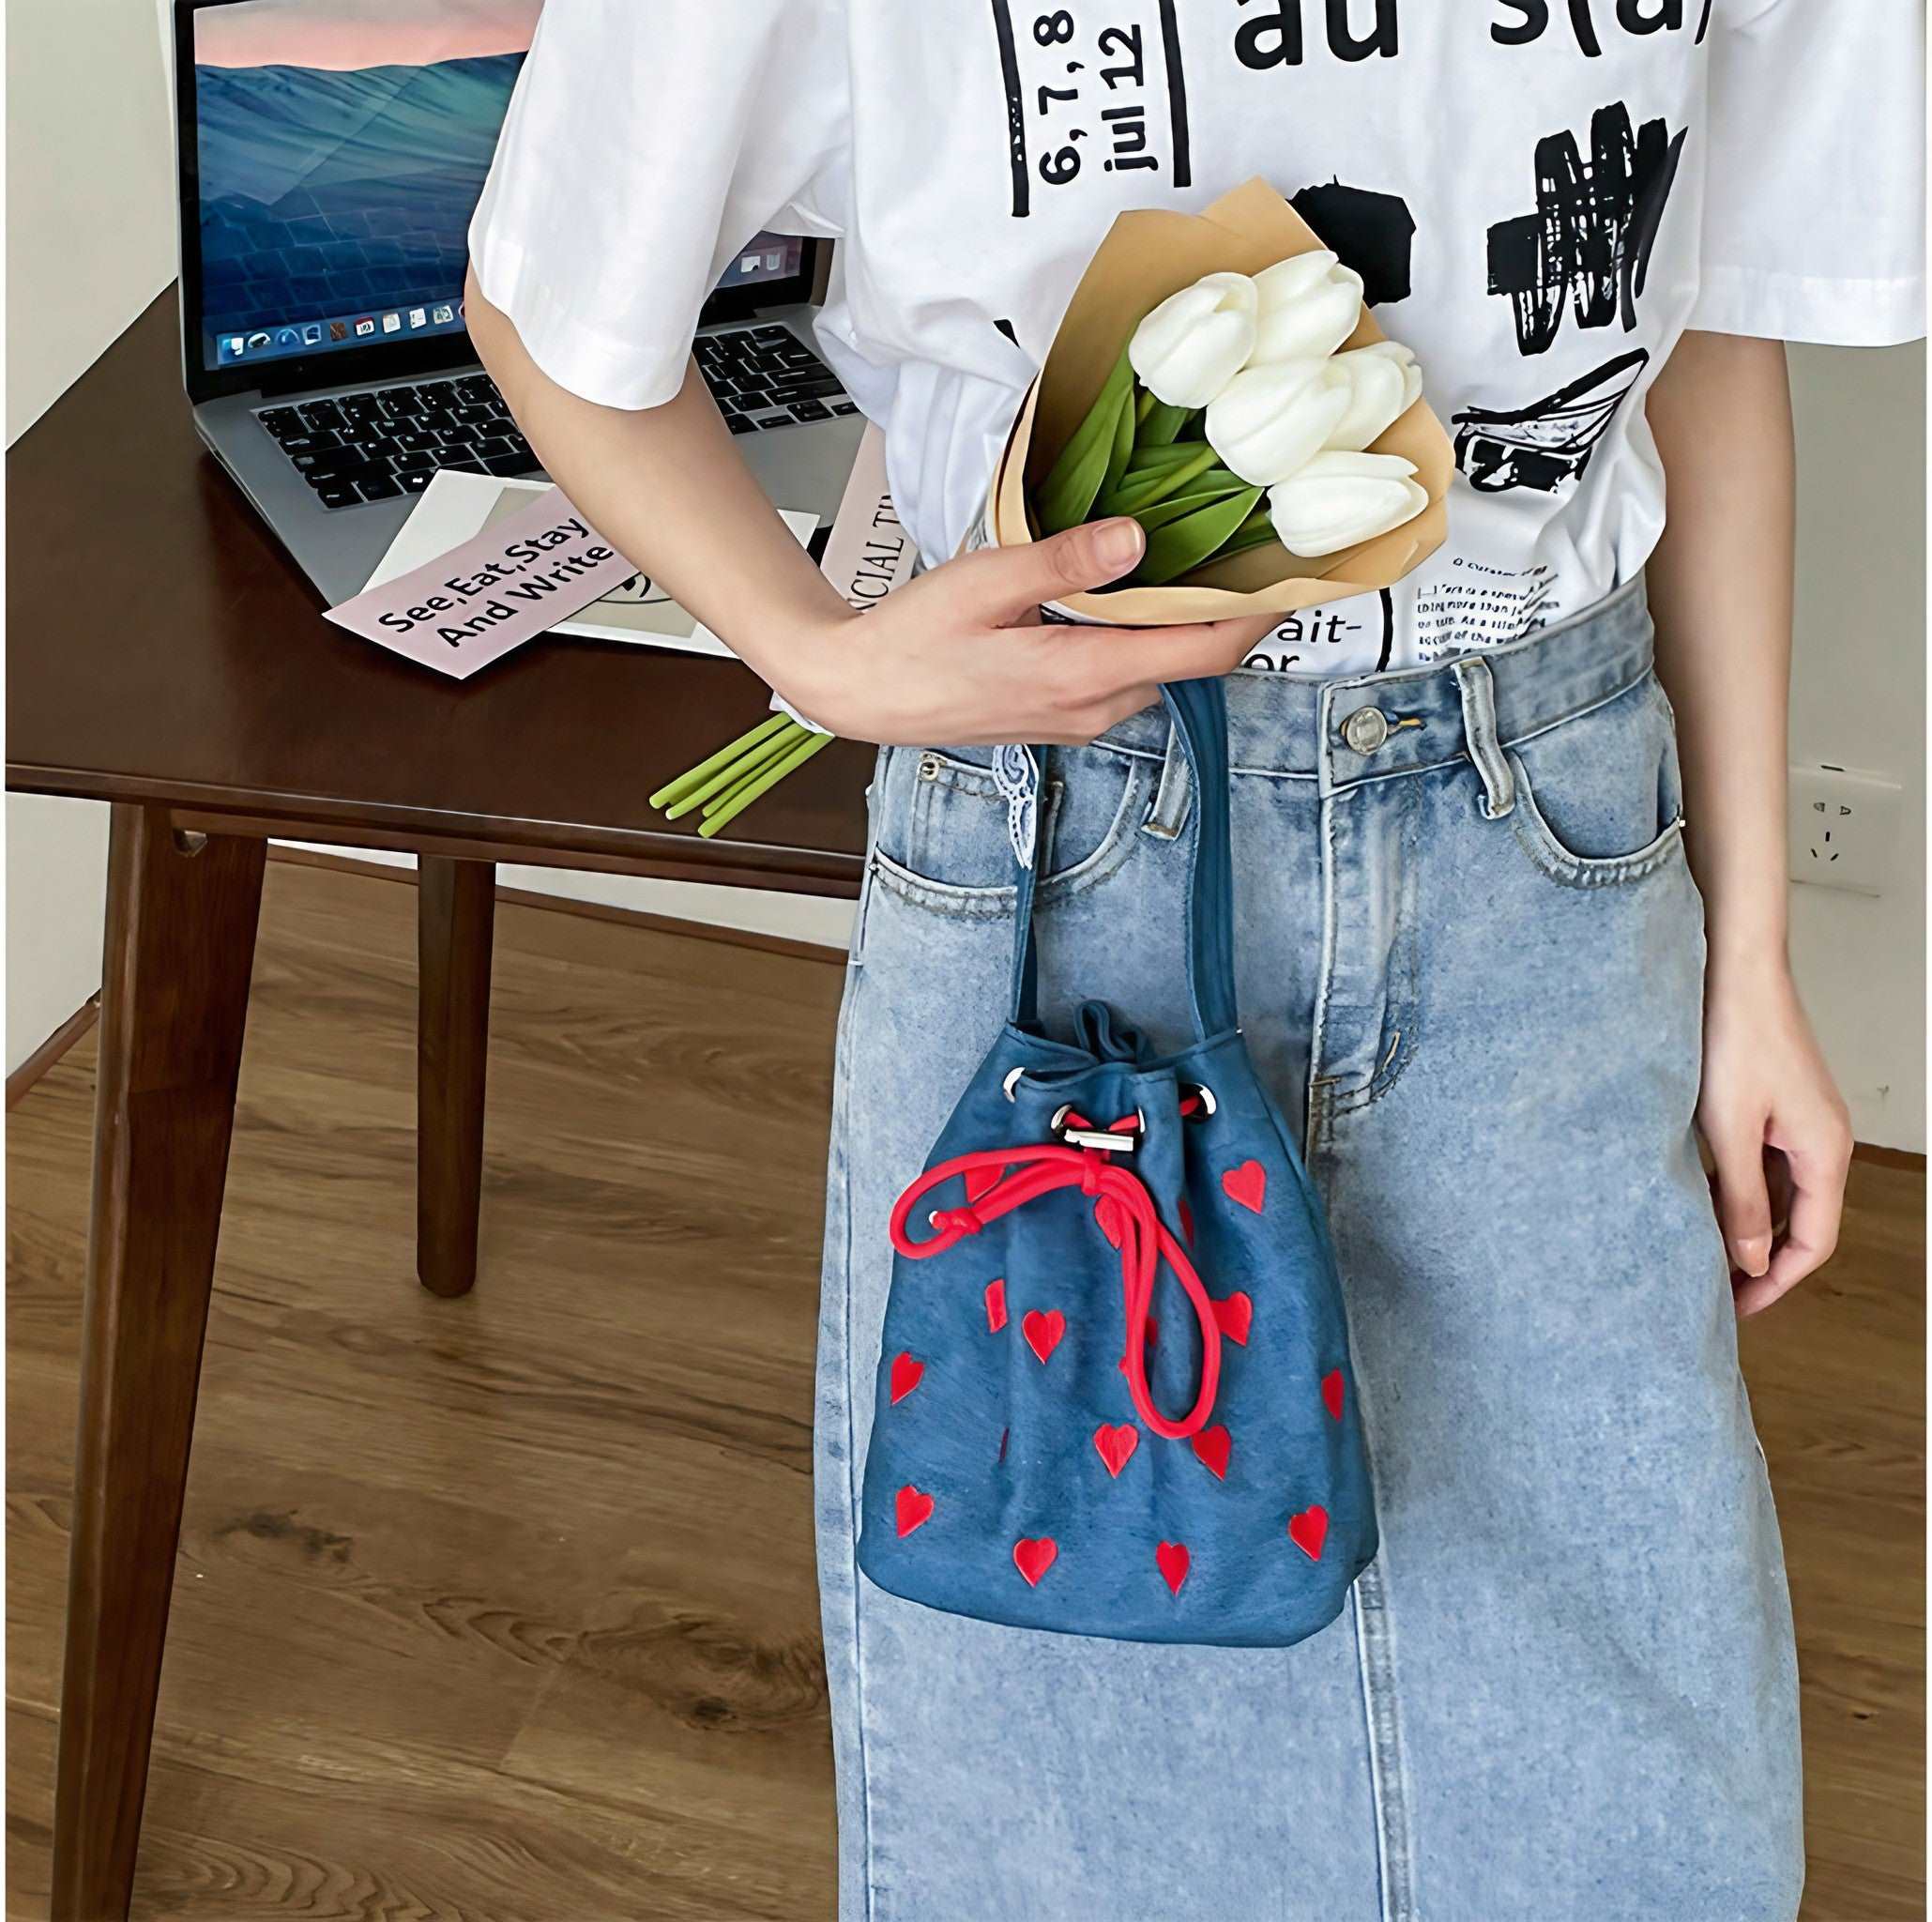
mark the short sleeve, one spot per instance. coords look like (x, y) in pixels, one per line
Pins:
(1814, 197)
(646, 141)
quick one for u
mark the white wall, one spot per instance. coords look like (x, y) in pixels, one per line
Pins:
(91, 240)
(1858, 700)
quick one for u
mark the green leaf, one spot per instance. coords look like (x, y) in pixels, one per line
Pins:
(1162, 424)
(1174, 508)
(1242, 543)
(1186, 543)
(1151, 460)
(1171, 477)
(1067, 494)
(1123, 443)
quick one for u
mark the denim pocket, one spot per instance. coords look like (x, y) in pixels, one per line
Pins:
(1600, 798)
(940, 836)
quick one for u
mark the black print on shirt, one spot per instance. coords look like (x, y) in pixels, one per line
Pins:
(1543, 446)
(1308, 640)
(1372, 233)
(1273, 37)
(1588, 245)
(1109, 96)
(1633, 16)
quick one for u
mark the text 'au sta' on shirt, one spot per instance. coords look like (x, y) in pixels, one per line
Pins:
(1542, 195)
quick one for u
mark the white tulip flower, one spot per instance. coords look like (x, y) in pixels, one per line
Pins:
(1404, 358)
(1382, 390)
(1195, 341)
(1309, 305)
(1266, 422)
(1338, 499)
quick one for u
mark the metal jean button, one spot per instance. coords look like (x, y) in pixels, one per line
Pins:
(929, 767)
(1365, 729)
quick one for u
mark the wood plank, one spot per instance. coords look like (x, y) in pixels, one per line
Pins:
(503, 1607)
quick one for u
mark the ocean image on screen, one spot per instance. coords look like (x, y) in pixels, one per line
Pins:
(335, 203)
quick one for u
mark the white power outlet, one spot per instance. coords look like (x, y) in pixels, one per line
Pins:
(1843, 828)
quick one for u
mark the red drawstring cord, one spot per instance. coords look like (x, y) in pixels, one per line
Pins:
(1145, 1242)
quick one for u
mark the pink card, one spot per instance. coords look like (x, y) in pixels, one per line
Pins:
(512, 582)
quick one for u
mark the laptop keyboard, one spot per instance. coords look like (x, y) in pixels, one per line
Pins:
(392, 440)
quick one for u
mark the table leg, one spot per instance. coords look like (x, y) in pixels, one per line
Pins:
(181, 918)
(456, 915)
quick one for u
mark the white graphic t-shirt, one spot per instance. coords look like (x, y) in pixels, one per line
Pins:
(1540, 194)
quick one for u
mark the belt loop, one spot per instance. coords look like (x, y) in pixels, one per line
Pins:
(1478, 685)
(1167, 816)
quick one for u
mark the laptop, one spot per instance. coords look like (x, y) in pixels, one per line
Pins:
(328, 173)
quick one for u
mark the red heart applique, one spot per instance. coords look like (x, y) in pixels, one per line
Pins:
(1214, 1446)
(981, 1180)
(906, 1374)
(1033, 1558)
(1309, 1530)
(996, 1307)
(914, 1508)
(1331, 1392)
(1235, 1313)
(1042, 1332)
(1172, 1560)
(1116, 1445)
(1106, 1213)
(1247, 1184)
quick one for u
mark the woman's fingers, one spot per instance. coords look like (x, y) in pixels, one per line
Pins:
(1818, 1154)
(1001, 584)
(1744, 1197)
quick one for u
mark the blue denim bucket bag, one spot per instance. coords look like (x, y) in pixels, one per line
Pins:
(1113, 1390)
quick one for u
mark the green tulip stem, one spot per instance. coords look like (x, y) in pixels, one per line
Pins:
(1180, 473)
(765, 782)
(734, 773)
(677, 790)
(1144, 406)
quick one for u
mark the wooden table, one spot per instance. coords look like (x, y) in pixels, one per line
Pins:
(166, 657)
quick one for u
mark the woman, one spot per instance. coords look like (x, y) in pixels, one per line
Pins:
(1473, 954)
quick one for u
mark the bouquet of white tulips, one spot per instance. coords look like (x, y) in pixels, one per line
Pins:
(1217, 377)
(1234, 418)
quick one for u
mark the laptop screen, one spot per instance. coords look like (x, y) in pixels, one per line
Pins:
(341, 148)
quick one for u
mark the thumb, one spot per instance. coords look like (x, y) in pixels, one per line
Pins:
(1017, 580)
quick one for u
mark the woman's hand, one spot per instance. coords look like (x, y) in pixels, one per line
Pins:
(961, 654)
(1768, 1099)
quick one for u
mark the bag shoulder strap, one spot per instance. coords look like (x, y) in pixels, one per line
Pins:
(1198, 709)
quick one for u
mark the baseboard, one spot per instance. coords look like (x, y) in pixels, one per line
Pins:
(50, 1050)
(83, 1019)
(589, 911)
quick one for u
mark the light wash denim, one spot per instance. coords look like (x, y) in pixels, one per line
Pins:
(1470, 958)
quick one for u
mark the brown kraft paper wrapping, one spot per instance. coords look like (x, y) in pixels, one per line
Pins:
(1148, 255)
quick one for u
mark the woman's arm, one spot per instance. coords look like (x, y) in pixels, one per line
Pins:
(958, 655)
(1720, 586)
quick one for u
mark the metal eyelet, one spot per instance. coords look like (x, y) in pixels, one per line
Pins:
(1104, 1139)
(1012, 1077)
(1205, 1097)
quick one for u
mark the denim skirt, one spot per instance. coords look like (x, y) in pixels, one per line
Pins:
(1471, 959)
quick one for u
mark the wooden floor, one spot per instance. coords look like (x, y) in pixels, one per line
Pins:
(501, 1609)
